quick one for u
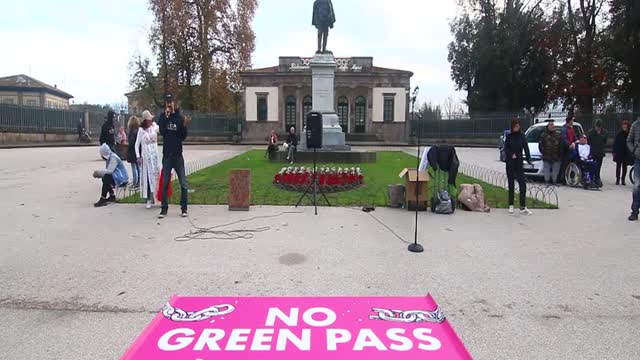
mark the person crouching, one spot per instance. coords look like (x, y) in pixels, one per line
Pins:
(113, 176)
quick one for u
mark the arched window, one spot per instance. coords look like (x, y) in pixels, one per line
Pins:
(307, 107)
(343, 113)
(361, 114)
(289, 113)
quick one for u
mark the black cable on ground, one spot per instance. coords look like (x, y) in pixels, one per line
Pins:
(214, 232)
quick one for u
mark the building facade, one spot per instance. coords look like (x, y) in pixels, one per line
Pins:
(371, 102)
(24, 90)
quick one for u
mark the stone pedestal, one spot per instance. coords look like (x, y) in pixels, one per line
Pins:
(323, 73)
(240, 190)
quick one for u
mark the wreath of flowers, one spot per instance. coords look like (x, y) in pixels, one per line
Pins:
(331, 180)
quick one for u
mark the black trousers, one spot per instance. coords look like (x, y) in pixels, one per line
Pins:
(516, 172)
(598, 169)
(621, 171)
(107, 185)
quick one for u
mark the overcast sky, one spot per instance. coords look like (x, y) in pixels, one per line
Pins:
(84, 47)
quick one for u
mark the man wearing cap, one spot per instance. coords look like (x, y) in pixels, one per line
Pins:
(173, 128)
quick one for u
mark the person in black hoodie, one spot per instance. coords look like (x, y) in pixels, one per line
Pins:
(173, 128)
(514, 145)
(108, 132)
(598, 141)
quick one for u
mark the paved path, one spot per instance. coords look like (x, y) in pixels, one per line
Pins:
(82, 283)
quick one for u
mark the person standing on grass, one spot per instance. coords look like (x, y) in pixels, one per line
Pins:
(146, 148)
(621, 154)
(173, 128)
(552, 150)
(515, 144)
(598, 141)
(633, 143)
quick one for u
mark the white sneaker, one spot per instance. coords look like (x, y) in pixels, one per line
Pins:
(511, 209)
(149, 204)
(526, 211)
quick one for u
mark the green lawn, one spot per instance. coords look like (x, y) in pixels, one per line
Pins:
(211, 185)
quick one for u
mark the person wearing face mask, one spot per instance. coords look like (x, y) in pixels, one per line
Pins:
(173, 128)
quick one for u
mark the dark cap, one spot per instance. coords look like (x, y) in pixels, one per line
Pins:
(168, 98)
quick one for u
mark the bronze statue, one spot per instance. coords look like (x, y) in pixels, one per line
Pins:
(323, 20)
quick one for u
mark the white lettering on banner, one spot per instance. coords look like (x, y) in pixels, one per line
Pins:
(367, 338)
(237, 340)
(260, 340)
(337, 336)
(422, 334)
(396, 335)
(262, 336)
(179, 343)
(207, 339)
(303, 343)
(307, 317)
(290, 321)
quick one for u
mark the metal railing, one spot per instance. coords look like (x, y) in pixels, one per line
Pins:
(14, 118)
(490, 126)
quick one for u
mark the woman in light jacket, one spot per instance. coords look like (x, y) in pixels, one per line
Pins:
(148, 157)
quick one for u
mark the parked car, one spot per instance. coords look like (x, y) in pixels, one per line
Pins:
(533, 136)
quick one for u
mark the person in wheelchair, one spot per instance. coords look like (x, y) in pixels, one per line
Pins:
(586, 163)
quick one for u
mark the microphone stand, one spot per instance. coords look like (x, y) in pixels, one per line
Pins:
(415, 247)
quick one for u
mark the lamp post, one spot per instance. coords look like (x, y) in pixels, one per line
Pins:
(415, 247)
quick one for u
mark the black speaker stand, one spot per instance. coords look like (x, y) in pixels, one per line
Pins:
(314, 186)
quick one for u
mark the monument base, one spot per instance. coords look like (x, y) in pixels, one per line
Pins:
(333, 139)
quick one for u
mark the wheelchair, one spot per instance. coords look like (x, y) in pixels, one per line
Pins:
(576, 177)
(631, 177)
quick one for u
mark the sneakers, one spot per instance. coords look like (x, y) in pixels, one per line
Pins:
(184, 214)
(149, 204)
(111, 199)
(633, 217)
(101, 203)
(511, 209)
(525, 211)
(163, 214)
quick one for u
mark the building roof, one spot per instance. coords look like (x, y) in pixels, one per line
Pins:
(301, 65)
(23, 82)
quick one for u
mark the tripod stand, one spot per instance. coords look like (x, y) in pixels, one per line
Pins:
(314, 186)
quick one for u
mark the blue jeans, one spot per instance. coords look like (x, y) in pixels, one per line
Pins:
(635, 206)
(168, 163)
(135, 173)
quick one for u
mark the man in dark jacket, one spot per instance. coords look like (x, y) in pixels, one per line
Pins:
(598, 141)
(173, 128)
(633, 142)
(108, 132)
(551, 147)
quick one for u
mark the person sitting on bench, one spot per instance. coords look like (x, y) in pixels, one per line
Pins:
(113, 176)
(292, 143)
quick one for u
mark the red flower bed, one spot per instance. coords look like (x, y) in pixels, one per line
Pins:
(330, 179)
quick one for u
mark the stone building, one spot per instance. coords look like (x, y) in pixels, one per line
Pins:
(26, 91)
(371, 102)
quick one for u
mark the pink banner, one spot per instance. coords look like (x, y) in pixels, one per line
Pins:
(299, 328)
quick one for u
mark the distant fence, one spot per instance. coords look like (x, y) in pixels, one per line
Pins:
(490, 126)
(26, 119)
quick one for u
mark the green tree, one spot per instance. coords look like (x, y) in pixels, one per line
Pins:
(624, 52)
(501, 55)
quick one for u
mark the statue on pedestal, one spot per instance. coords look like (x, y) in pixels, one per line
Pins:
(323, 20)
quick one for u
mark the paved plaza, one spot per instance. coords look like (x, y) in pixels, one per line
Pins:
(82, 283)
